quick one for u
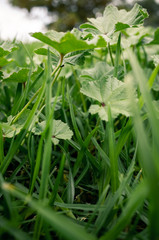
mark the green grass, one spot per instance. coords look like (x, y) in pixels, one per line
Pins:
(79, 133)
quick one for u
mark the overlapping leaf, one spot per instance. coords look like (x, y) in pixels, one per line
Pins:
(67, 42)
(60, 130)
(116, 20)
(109, 91)
(7, 48)
(72, 58)
(9, 129)
(21, 76)
(101, 69)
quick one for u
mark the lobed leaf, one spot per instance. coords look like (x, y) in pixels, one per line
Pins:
(114, 20)
(107, 91)
(9, 129)
(60, 130)
(67, 42)
(20, 76)
(96, 73)
(6, 48)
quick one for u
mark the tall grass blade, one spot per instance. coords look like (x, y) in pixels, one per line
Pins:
(65, 227)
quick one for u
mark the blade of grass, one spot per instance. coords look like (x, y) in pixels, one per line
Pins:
(112, 198)
(22, 134)
(135, 200)
(117, 56)
(83, 151)
(110, 53)
(47, 146)
(57, 182)
(1, 146)
(112, 156)
(78, 135)
(12, 230)
(70, 187)
(148, 148)
(67, 228)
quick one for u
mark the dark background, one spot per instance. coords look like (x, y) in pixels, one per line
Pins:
(71, 13)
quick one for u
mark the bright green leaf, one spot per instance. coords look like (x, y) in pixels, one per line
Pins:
(77, 57)
(96, 73)
(7, 48)
(107, 91)
(67, 42)
(4, 61)
(20, 76)
(9, 129)
(117, 20)
(60, 130)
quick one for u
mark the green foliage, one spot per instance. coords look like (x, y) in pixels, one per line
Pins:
(67, 42)
(6, 48)
(66, 173)
(156, 37)
(114, 20)
(108, 91)
(60, 130)
(21, 76)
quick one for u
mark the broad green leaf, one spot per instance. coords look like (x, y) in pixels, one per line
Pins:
(96, 73)
(9, 129)
(107, 91)
(4, 61)
(72, 58)
(7, 48)
(20, 76)
(44, 51)
(77, 57)
(117, 20)
(67, 42)
(60, 130)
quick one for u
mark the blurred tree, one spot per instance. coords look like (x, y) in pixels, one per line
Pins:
(73, 12)
(70, 12)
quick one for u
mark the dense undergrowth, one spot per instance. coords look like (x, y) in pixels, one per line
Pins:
(79, 130)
